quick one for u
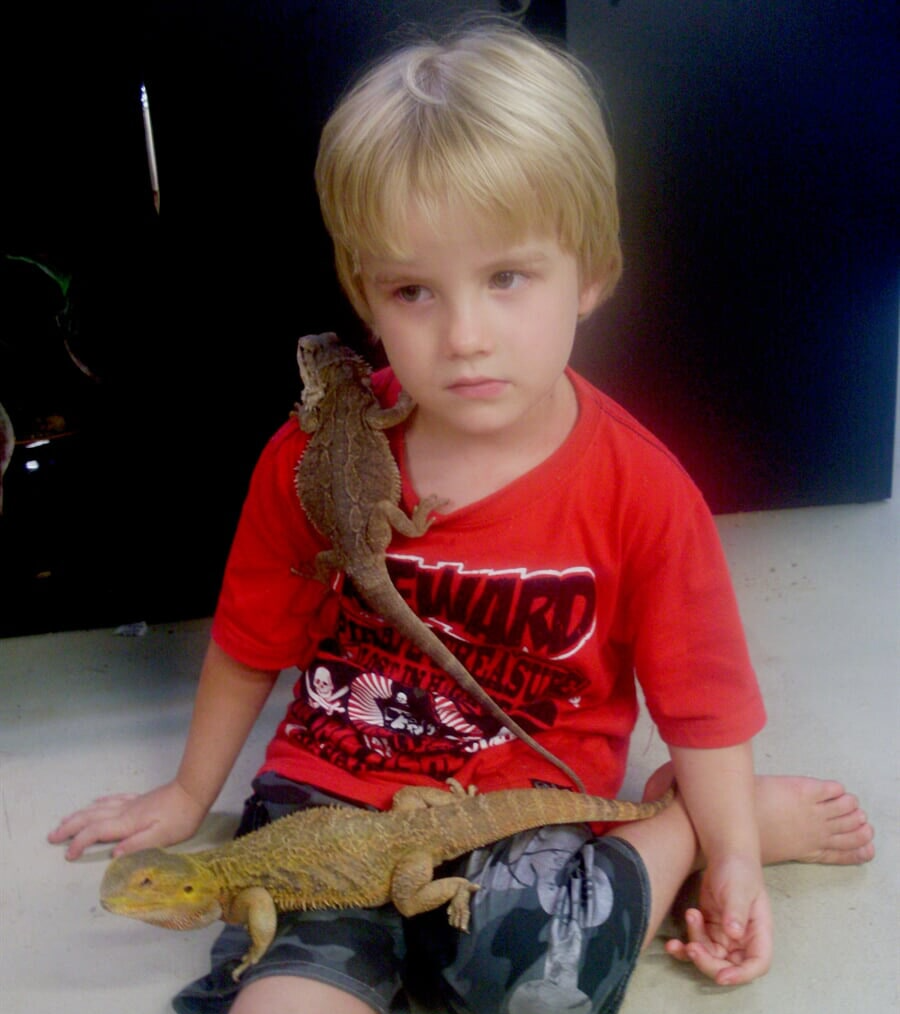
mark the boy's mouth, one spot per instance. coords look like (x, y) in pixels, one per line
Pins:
(478, 387)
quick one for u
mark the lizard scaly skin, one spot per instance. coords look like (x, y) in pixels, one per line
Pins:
(343, 857)
(349, 486)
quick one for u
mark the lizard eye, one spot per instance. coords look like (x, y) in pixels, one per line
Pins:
(146, 882)
(188, 889)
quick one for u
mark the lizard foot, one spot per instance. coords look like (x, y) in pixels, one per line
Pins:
(424, 507)
(458, 910)
(458, 789)
(246, 962)
(253, 908)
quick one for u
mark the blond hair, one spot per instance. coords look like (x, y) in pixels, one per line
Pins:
(491, 121)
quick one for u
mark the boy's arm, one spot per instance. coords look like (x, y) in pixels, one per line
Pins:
(731, 936)
(229, 698)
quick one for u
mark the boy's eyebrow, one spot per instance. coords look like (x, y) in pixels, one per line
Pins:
(389, 277)
(518, 255)
(393, 271)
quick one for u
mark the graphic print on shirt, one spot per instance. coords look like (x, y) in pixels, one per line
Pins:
(371, 698)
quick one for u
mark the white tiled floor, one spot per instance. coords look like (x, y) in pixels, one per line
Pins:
(86, 713)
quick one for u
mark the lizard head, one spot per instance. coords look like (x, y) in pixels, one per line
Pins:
(162, 888)
(323, 361)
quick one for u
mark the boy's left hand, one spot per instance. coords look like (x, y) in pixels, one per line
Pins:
(730, 935)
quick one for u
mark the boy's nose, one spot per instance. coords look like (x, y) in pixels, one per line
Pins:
(465, 332)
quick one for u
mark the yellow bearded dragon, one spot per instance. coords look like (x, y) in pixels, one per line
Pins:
(343, 857)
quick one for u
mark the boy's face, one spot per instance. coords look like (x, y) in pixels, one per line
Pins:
(479, 329)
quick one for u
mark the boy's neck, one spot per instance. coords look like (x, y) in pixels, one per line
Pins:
(464, 469)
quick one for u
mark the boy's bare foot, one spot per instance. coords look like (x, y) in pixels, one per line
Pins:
(801, 819)
(808, 820)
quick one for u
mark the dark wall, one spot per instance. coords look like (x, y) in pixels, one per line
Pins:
(186, 321)
(755, 329)
(756, 326)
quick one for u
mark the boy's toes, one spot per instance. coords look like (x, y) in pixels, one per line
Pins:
(825, 790)
(841, 804)
(847, 848)
(811, 820)
(845, 823)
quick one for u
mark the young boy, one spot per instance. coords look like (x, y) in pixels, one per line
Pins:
(469, 190)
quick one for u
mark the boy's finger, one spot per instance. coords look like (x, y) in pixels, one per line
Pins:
(102, 808)
(68, 828)
(707, 963)
(698, 944)
(677, 949)
(723, 971)
(738, 975)
(109, 830)
(699, 931)
(81, 841)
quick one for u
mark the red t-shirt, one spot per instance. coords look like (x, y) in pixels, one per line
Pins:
(601, 563)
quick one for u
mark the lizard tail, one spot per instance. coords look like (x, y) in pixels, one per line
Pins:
(384, 599)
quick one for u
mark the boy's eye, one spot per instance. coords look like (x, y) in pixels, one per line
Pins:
(506, 279)
(411, 293)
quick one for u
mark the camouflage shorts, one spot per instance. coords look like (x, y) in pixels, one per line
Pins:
(557, 926)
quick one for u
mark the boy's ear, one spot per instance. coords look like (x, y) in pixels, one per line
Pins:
(590, 297)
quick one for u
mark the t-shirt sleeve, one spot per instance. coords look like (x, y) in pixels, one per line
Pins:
(690, 651)
(271, 612)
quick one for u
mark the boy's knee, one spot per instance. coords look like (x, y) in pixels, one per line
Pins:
(291, 994)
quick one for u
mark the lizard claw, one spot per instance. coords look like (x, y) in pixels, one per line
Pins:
(241, 968)
(428, 504)
(458, 789)
(458, 910)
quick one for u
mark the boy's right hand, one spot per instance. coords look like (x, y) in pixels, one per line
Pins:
(161, 817)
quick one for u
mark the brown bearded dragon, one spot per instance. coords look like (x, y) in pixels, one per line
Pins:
(349, 487)
(343, 857)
